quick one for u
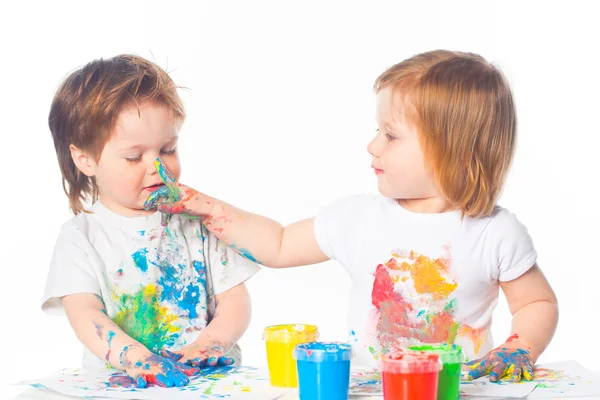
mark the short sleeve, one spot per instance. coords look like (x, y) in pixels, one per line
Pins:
(71, 271)
(338, 226)
(515, 252)
(227, 268)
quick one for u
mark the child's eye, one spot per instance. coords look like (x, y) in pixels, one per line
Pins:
(133, 159)
(172, 151)
(389, 137)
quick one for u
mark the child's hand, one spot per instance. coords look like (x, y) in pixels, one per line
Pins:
(146, 368)
(511, 361)
(174, 198)
(204, 352)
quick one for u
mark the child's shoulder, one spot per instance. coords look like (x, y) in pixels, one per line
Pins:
(73, 235)
(78, 224)
(504, 233)
(503, 221)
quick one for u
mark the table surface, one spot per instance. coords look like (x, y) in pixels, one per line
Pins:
(36, 394)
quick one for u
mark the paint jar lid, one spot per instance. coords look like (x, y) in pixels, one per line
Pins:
(411, 362)
(449, 353)
(323, 352)
(291, 333)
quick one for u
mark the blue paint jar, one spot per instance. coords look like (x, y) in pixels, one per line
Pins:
(323, 370)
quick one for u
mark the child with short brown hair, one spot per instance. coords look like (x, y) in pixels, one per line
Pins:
(156, 301)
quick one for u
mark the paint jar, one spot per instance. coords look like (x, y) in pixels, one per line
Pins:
(323, 370)
(281, 340)
(452, 358)
(410, 375)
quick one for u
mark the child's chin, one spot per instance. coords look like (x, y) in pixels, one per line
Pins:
(386, 192)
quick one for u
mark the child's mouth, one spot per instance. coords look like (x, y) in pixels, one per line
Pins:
(153, 187)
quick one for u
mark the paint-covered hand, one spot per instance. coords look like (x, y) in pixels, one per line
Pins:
(512, 361)
(147, 369)
(174, 198)
(202, 353)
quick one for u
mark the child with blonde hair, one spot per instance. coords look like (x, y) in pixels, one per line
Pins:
(428, 256)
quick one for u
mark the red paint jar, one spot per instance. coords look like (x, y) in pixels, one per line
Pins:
(410, 375)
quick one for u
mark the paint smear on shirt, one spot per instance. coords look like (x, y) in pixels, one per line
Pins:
(140, 260)
(143, 318)
(411, 295)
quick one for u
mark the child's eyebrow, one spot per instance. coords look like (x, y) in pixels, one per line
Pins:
(172, 139)
(385, 123)
(135, 147)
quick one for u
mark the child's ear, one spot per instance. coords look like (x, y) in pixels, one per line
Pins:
(83, 161)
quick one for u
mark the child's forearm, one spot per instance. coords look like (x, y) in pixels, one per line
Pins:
(253, 236)
(99, 333)
(232, 317)
(535, 325)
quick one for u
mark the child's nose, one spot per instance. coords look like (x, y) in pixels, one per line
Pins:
(149, 165)
(374, 147)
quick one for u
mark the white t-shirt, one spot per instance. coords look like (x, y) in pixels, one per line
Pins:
(421, 278)
(158, 284)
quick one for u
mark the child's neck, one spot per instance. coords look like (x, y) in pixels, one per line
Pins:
(430, 205)
(124, 211)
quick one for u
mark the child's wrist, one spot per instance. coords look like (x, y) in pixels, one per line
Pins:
(133, 353)
(516, 341)
(207, 206)
(209, 340)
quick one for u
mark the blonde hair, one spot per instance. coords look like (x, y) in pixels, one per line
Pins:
(465, 114)
(87, 104)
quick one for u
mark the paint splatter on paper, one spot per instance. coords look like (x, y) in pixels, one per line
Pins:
(365, 382)
(565, 379)
(223, 382)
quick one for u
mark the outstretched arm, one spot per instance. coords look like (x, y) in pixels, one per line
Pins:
(255, 237)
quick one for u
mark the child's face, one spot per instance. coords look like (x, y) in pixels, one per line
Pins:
(398, 159)
(125, 173)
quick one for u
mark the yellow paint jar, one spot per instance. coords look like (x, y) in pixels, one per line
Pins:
(281, 340)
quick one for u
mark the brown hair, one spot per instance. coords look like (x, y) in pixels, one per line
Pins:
(87, 104)
(464, 111)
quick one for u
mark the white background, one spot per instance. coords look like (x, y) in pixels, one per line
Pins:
(280, 112)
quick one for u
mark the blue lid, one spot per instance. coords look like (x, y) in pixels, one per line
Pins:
(323, 352)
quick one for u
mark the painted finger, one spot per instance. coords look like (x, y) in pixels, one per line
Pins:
(212, 361)
(516, 375)
(528, 373)
(165, 218)
(482, 369)
(167, 178)
(140, 381)
(188, 370)
(199, 362)
(473, 363)
(177, 207)
(155, 197)
(225, 361)
(163, 380)
(177, 377)
(499, 371)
